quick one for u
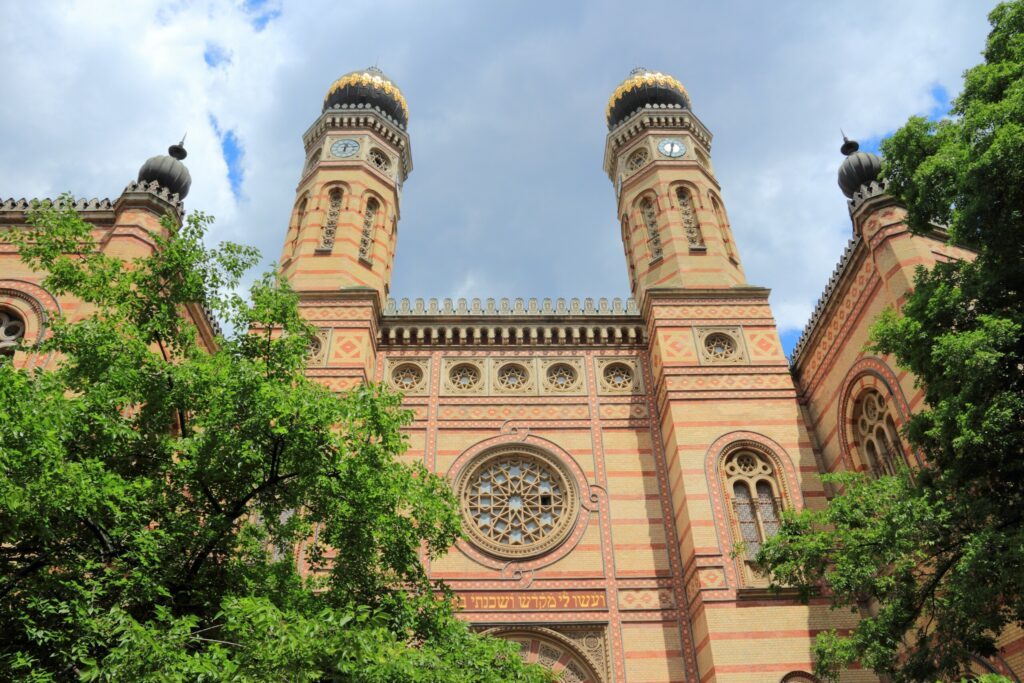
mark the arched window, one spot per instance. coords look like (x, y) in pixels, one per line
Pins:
(723, 226)
(369, 219)
(626, 239)
(757, 501)
(650, 216)
(12, 331)
(799, 677)
(300, 214)
(333, 212)
(691, 227)
(877, 436)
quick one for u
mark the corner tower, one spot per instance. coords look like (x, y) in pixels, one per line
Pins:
(658, 155)
(344, 220)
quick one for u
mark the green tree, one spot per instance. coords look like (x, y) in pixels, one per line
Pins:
(936, 558)
(151, 491)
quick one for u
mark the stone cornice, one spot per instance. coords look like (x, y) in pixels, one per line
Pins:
(151, 196)
(511, 322)
(658, 295)
(96, 211)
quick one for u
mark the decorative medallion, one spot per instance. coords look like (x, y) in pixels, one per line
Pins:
(562, 378)
(465, 378)
(618, 376)
(408, 376)
(380, 160)
(720, 345)
(517, 502)
(512, 378)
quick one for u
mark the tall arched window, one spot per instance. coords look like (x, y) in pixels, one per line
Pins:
(650, 216)
(333, 212)
(691, 226)
(369, 219)
(756, 497)
(878, 437)
(12, 331)
(626, 239)
(730, 251)
(300, 214)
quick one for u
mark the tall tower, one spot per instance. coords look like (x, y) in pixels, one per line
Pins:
(344, 221)
(340, 244)
(658, 155)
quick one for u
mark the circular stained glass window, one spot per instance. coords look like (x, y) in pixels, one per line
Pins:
(562, 377)
(619, 376)
(407, 376)
(464, 377)
(513, 376)
(380, 159)
(720, 346)
(517, 502)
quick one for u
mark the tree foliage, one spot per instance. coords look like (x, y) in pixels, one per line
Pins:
(934, 558)
(152, 491)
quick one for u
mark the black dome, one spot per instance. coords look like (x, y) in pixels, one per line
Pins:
(369, 87)
(858, 168)
(168, 171)
(642, 88)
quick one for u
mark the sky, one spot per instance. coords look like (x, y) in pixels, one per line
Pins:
(507, 197)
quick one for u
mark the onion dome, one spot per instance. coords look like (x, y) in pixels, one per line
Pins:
(168, 171)
(645, 88)
(858, 168)
(368, 88)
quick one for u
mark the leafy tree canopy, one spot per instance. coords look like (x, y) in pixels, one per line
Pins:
(151, 491)
(934, 558)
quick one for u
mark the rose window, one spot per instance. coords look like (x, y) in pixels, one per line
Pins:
(720, 346)
(12, 330)
(464, 376)
(877, 434)
(513, 376)
(637, 159)
(562, 377)
(619, 376)
(407, 376)
(517, 503)
(380, 160)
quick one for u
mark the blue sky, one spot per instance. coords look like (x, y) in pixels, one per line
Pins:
(507, 197)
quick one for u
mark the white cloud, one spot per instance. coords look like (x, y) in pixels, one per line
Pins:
(507, 124)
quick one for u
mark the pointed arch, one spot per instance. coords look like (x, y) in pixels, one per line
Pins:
(723, 227)
(371, 211)
(872, 412)
(298, 214)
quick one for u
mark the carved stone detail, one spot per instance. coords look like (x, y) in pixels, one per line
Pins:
(411, 376)
(619, 376)
(457, 377)
(721, 346)
(562, 376)
(318, 348)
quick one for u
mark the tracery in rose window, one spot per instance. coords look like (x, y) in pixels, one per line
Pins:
(12, 331)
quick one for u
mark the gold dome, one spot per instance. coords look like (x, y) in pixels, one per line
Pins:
(641, 88)
(369, 87)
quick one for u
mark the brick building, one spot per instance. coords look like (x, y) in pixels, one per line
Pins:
(608, 456)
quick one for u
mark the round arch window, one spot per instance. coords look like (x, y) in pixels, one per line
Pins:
(517, 502)
(12, 331)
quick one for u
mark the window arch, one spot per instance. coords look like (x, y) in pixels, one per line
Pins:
(334, 198)
(723, 226)
(369, 221)
(799, 677)
(626, 243)
(12, 331)
(300, 214)
(691, 226)
(877, 435)
(649, 212)
(755, 495)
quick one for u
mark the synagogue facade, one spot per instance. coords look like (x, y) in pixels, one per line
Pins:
(617, 462)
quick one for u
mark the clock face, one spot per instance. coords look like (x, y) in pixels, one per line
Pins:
(672, 148)
(344, 148)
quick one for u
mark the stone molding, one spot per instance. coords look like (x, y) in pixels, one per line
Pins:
(509, 307)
